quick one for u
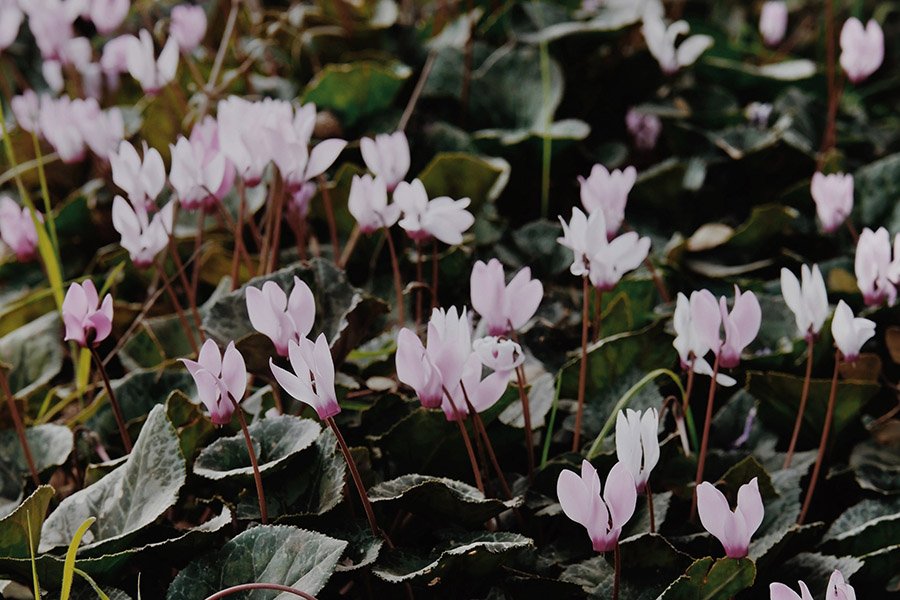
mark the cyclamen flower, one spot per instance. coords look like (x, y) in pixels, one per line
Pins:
(837, 589)
(773, 20)
(644, 128)
(849, 332)
(10, 19)
(603, 517)
(151, 72)
(221, 379)
(368, 203)
(101, 130)
(443, 218)
(833, 195)
(874, 267)
(481, 393)
(141, 179)
(143, 237)
(114, 59)
(439, 364)
(289, 144)
(87, 320)
(281, 318)
(50, 22)
(605, 262)
(17, 229)
(188, 26)
(504, 307)
(661, 43)
(387, 156)
(498, 354)
(807, 299)
(740, 325)
(862, 50)
(107, 15)
(607, 192)
(689, 342)
(637, 443)
(195, 184)
(246, 130)
(27, 109)
(312, 381)
(732, 528)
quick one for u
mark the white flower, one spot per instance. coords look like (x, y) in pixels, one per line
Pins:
(661, 43)
(807, 298)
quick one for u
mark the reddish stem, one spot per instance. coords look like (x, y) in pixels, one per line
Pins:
(20, 427)
(434, 274)
(329, 215)
(704, 443)
(398, 282)
(476, 472)
(526, 415)
(257, 476)
(117, 410)
(179, 311)
(238, 235)
(804, 395)
(582, 371)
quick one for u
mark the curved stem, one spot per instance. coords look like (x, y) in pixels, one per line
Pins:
(582, 371)
(804, 395)
(476, 472)
(357, 481)
(244, 587)
(257, 476)
(398, 281)
(480, 429)
(526, 415)
(117, 410)
(704, 443)
(20, 428)
(823, 442)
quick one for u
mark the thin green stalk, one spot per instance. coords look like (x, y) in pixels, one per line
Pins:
(45, 192)
(547, 141)
(545, 453)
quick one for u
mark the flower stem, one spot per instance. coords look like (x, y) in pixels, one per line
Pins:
(167, 283)
(329, 215)
(826, 428)
(117, 410)
(238, 235)
(804, 395)
(650, 508)
(357, 481)
(188, 290)
(244, 587)
(480, 429)
(582, 371)
(476, 472)
(704, 442)
(277, 218)
(526, 415)
(198, 243)
(598, 313)
(20, 427)
(617, 561)
(419, 278)
(434, 274)
(398, 281)
(45, 193)
(257, 476)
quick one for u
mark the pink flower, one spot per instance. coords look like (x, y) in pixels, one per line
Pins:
(17, 229)
(644, 128)
(607, 192)
(732, 528)
(504, 306)
(773, 20)
(195, 183)
(101, 130)
(205, 140)
(221, 379)
(368, 203)
(873, 266)
(833, 195)
(416, 369)
(637, 443)
(808, 300)
(862, 50)
(439, 364)
(741, 325)
(661, 38)
(604, 261)
(443, 218)
(298, 164)
(481, 393)
(87, 321)
(50, 22)
(143, 237)
(188, 26)
(837, 589)
(779, 591)
(312, 381)
(107, 15)
(58, 126)
(387, 156)
(498, 354)
(114, 59)
(689, 342)
(27, 110)
(151, 72)
(298, 203)
(281, 318)
(603, 517)
(10, 20)
(246, 132)
(849, 332)
(141, 179)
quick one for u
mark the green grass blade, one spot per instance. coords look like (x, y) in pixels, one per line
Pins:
(69, 565)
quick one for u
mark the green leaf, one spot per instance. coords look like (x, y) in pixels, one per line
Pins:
(343, 313)
(50, 447)
(284, 555)
(814, 569)
(877, 187)
(35, 353)
(440, 498)
(864, 527)
(461, 175)
(779, 399)
(129, 499)
(708, 580)
(358, 89)
(28, 516)
(876, 467)
(279, 439)
(473, 555)
(193, 425)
